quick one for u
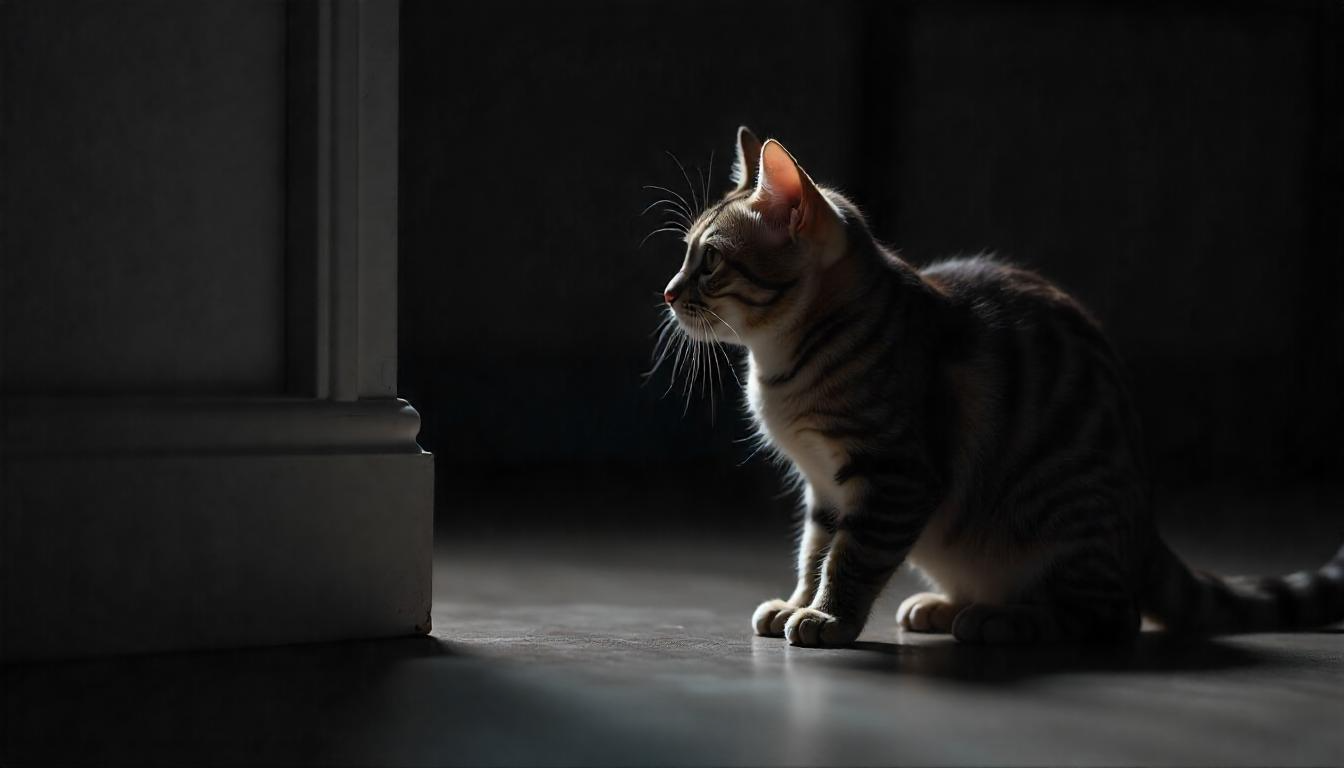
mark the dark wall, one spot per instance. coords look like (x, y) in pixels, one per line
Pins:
(1177, 169)
(143, 192)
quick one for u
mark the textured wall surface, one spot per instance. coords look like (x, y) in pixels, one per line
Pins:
(1177, 169)
(145, 197)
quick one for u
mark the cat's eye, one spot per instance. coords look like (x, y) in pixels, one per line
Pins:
(709, 259)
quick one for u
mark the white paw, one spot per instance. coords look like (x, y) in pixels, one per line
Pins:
(770, 616)
(927, 612)
(811, 628)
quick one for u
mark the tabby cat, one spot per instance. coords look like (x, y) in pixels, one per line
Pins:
(969, 417)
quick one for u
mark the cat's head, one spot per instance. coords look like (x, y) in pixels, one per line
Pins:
(755, 258)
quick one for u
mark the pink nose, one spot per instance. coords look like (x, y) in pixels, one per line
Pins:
(669, 296)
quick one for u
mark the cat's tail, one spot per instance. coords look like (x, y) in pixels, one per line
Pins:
(1195, 602)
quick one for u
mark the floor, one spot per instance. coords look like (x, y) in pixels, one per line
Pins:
(597, 651)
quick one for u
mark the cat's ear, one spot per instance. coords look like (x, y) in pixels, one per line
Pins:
(785, 195)
(748, 158)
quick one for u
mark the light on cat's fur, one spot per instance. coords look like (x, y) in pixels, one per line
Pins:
(969, 417)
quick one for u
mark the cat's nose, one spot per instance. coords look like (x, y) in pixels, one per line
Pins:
(669, 295)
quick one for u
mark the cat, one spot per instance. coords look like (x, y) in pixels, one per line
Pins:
(969, 417)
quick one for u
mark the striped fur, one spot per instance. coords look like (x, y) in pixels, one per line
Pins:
(969, 417)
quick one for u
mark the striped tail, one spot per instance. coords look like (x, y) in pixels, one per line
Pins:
(1196, 602)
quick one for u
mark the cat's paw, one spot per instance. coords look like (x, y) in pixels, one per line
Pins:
(981, 623)
(770, 617)
(927, 612)
(811, 628)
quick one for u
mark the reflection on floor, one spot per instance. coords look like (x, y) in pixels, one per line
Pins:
(608, 652)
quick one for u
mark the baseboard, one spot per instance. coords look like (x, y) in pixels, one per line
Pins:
(137, 525)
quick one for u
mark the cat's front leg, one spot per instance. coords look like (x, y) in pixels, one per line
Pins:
(770, 616)
(865, 551)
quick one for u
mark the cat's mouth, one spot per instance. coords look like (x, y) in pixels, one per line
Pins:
(693, 320)
(702, 323)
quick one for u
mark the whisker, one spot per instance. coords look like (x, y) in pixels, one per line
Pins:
(718, 348)
(663, 325)
(709, 175)
(662, 355)
(699, 378)
(685, 206)
(692, 363)
(676, 362)
(677, 225)
(725, 322)
(761, 443)
(697, 363)
(659, 349)
(708, 373)
(727, 362)
(698, 372)
(661, 332)
(678, 230)
(689, 186)
(718, 345)
(701, 177)
(672, 209)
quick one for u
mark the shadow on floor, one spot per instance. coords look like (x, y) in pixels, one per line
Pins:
(250, 706)
(1149, 652)
(400, 702)
(421, 701)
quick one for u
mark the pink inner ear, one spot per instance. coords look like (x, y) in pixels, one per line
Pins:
(780, 189)
(780, 175)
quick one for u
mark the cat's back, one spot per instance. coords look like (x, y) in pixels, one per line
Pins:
(1038, 384)
(999, 295)
(1002, 310)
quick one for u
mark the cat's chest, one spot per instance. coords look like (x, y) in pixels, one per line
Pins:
(782, 419)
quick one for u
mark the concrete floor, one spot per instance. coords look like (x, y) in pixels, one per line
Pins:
(591, 651)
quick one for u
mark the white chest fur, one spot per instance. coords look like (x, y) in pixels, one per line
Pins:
(784, 424)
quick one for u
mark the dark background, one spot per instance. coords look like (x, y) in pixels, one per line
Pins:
(1178, 168)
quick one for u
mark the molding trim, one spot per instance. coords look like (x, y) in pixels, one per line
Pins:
(64, 426)
(140, 524)
(342, 77)
(135, 553)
